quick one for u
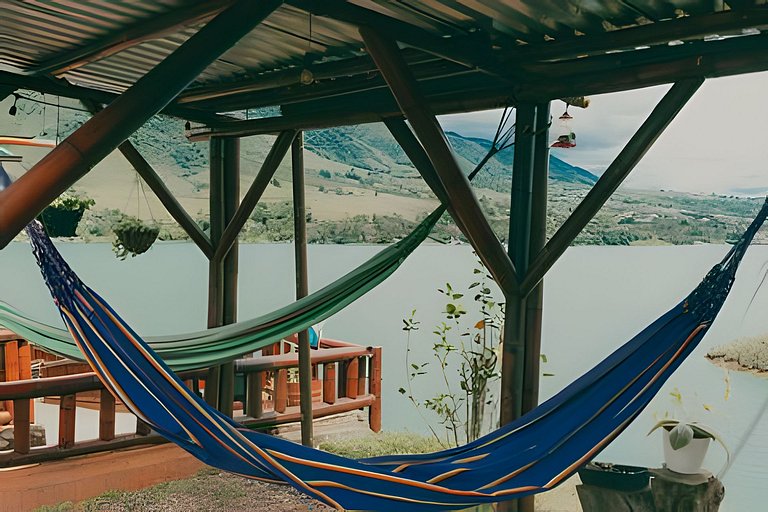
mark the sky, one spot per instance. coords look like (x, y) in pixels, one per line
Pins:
(717, 143)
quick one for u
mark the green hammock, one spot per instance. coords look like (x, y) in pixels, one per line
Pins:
(205, 348)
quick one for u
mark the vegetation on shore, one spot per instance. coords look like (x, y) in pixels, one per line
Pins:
(749, 353)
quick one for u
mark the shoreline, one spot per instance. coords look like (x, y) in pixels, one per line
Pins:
(732, 365)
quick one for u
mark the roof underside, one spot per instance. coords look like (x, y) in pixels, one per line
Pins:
(467, 54)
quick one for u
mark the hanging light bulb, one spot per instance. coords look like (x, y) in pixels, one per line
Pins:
(12, 111)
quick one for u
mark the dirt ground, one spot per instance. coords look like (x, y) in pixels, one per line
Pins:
(214, 491)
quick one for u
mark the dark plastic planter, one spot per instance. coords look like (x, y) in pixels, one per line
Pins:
(134, 239)
(615, 476)
(61, 222)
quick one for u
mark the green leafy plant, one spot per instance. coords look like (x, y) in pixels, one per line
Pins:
(63, 215)
(72, 201)
(133, 237)
(472, 352)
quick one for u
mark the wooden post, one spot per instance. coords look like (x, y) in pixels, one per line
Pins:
(106, 415)
(329, 383)
(25, 371)
(67, 415)
(222, 276)
(352, 375)
(519, 242)
(537, 238)
(362, 373)
(95, 139)
(374, 412)
(281, 390)
(21, 421)
(302, 286)
(253, 395)
(11, 352)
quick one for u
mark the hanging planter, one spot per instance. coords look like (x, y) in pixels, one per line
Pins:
(63, 215)
(133, 237)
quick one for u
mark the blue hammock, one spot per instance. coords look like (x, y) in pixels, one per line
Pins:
(530, 455)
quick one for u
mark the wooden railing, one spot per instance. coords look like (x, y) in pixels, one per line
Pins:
(65, 388)
(351, 379)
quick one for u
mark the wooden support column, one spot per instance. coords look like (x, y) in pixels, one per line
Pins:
(302, 285)
(222, 277)
(515, 340)
(513, 355)
(663, 114)
(537, 239)
(95, 139)
(386, 54)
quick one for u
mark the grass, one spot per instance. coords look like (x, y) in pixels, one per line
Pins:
(383, 443)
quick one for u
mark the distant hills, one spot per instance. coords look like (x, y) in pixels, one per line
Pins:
(371, 147)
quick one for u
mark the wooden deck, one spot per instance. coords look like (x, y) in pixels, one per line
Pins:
(78, 478)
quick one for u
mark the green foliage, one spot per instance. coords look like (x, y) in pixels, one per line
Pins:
(473, 352)
(72, 201)
(133, 237)
(325, 174)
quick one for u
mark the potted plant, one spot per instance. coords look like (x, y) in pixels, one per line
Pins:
(134, 237)
(62, 216)
(686, 444)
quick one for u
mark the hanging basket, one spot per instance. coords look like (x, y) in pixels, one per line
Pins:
(133, 237)
(61, 221)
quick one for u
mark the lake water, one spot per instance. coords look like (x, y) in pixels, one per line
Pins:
(596, 298)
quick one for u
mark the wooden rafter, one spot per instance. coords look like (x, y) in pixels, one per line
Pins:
(395, 71)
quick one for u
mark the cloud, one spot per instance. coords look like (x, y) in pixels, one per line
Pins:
(717, 143)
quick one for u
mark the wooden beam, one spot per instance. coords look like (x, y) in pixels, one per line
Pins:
(153, 180)
(393, 68)
(661, 32)
(666, 110)
(434, 70)
(472, 51)
(60, 87)
(155, 27)
(180, 215)
(94, 140)
(646, 68)
(259, 185)
(302, 285)
(283, 78)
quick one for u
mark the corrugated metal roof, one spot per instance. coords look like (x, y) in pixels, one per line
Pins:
(35, 33)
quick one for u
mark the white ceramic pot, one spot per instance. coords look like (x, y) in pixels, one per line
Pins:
(688, 459)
